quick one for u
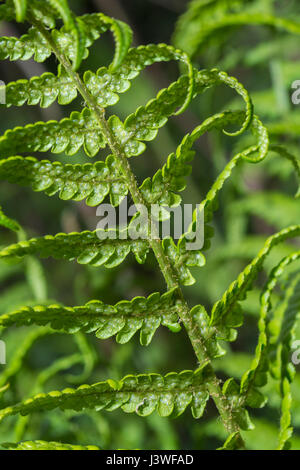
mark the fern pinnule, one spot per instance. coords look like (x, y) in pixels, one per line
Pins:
(45, 445)
(142, 394)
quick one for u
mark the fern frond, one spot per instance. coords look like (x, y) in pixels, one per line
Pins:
(123, 38)
(201, 319)
(77, 182)
(68, 135)
(17, 358)
(121, 31)
(105, 87)
(74, 25)
(45, 445)
(42, 12)
(282, 333)
(123, 319)
(136, 60)
(170, 395)
(162, 188)
(254, 154)
(33, 44)
(143, 124)
(291, 312)
(7, 222)
(92, 248)
(294, 160)
(226, 313)
(286, 430)
(257, 374)
(25, 47)
(198, 27)
(62, 8)
(21, 7)
(139, 127)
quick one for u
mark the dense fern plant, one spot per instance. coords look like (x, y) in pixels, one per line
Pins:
(92, 131)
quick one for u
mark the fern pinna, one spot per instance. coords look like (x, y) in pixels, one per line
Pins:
(171, 393)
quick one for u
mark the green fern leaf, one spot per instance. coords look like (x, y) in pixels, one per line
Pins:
(294, 160)
(205, 22)
(226, 312)
(87, 247)
(170, 395)
(20, 352)
(20, 6)
(123, 38)
(43, 90)
(209, 22)
(43, 12)
(7, 222)
(77, 182)
(45, 445)
(171, 178)
(143, 124)
(74, 25)
(123, 319)
(68, 135)
(282, 333)
(256, 376)
(105, 87)
(33, 44)
(252, 154)
(286, 429)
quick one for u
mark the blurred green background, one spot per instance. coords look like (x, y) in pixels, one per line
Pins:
(255, 203)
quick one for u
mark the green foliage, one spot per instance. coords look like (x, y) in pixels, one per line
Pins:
(76, 182)
(239, 288)
(8, 223)
(45, 445)
(143, 394)
(206, 21)
(172, 176)
(34, 45)
(282, 329)
(86, 247)
(122, 319)
(69, 136)
(88, 133)
(20, 353)
(20, 6)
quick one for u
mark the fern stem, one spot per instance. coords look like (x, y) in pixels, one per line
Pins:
(193, 330)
